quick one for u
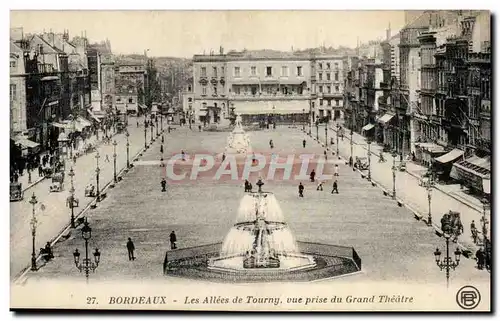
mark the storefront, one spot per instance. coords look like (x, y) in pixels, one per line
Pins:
(444, 163)
(368, 130)
(383, 135)
(473, 172)
(426, 152)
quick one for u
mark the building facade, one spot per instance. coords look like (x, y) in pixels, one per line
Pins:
(129, 83)
(328, 87)
(17, 90)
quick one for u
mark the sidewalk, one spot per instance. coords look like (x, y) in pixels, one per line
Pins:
(408, 189)
(35, 179)
(54, 216)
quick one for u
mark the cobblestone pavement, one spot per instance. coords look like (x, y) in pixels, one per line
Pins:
(391, 243)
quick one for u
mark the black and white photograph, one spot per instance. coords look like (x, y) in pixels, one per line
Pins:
(251, 160)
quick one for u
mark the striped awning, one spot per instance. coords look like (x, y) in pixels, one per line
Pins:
(474, 171)
(450, 156)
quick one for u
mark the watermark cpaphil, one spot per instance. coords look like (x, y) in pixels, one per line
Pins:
(190, 167)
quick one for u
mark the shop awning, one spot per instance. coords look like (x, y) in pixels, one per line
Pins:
(385, 119)
(430, 147)
(46, 78)
(141, 106)
(473, 171)
(24, 142)
(450, 156)
(367, 127)
(203, 113)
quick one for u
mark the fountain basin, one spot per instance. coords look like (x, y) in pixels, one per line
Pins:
(287, 263)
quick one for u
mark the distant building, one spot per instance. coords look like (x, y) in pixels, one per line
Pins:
(129, 84)
(328, 86)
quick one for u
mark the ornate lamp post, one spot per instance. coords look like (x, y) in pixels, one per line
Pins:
(114, 161)
(151, 126)
(447, 263)
(317, 130)
(33, 223)
(71, 174)
(351, 142)
(145, 132)
(428, 186)
(97, 171)
(337, 139)
(87, 265)
(369, 160)
(394, 170)
(156, 121)
(304, 120)
(326, 134)
(484, 222)
(128, 145)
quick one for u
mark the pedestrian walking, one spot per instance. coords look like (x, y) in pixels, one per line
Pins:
(223, 156)
(161, 148)
(163, 184)
(271, 144)
(40, 170)
(199, 128)
(480, 259)
(137, 123)
(325, 154)
(335, 187)
(320, 186)
(130, 249)
(74, 159)
(173, 240)
(301, 190)
(107, 158)
(304, 143)
(336, 170)
(312, 175)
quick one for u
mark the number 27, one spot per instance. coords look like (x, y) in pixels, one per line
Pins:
(91, 300)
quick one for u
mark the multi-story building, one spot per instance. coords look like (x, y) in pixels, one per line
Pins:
(267, 86)
(328, 88)
(129, 84)
(18, 120)
(187, 97)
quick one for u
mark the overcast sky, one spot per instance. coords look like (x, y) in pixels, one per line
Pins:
(184, 33)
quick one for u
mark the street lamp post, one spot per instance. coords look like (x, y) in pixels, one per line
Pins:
(317, 130)
(128, 145)
(29, 175)
(72, 191)
(161, 121)
(447, 263)
(114, 161)
(351, 142)
(484, 222)
(97, 171)
(326, 134)
(151, 127)
(369, 160)
(304, 120)
(394, 169)
(33, 223)
(145, 133)
(429, 185)
(87, 265)
(156, 121)
(337, 139)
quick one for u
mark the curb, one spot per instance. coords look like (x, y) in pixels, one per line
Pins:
(418, 216)
(20, 278)
(468, 204)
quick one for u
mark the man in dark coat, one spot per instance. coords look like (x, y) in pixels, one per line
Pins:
(173, 240)
(130, 248)
(161, 148)
(335, 187)
(480, 259)
(163, 185)
(312, 175)
(301, 190)
(304, 143)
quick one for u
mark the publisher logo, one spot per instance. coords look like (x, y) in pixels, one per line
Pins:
(468, 297)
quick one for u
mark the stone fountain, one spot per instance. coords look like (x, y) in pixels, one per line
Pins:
(260, 238)
(238, 141)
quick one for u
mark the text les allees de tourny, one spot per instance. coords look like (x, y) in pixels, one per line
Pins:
(249, 299)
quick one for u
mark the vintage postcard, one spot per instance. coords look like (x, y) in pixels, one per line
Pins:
(250, 160)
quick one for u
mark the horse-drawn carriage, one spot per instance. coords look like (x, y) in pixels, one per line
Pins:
(361, 163)
(57, 182)
(451, 224)
(16, 192)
